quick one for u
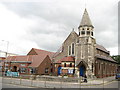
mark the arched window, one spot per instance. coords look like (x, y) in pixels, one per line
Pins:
(92, 33)
(79, 33)
(73, 48)
(87, 28)
(69, 50)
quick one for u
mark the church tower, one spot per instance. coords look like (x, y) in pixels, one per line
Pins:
(85, 47)
(85, 27)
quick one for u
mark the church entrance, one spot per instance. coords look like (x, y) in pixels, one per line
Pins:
(59, 70)
(82, 70)
(15, 68)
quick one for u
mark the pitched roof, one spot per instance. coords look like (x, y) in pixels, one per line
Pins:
(73, 33)
(42, 52)
(19, 58)
(100, 47)
(62, 46)
(85, 19)
(58, 51)
(66, 59)
(105, 58)
(35, 60)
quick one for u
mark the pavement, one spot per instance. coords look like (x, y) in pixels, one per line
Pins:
(91, 82)
(99, 81)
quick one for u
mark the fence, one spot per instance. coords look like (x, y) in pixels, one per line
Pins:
(48, 81)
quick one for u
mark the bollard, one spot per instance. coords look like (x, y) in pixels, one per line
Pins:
(80, 82)
(45, 81)
(61, 82)
(11, 79)
(31, 82)
(20, 79)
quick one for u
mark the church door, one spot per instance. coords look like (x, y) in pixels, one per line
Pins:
(82, 70)
(15, 68)
(59, 70)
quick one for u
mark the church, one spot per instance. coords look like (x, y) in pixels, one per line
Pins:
(80, 55)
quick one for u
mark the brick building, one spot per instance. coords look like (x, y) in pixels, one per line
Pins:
(80, 54)
(35, 62)
(3, 56)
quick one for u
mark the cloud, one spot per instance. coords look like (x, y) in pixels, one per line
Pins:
(48, 23)
(13, 29)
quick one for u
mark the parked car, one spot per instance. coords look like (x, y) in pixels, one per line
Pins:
(117, 76)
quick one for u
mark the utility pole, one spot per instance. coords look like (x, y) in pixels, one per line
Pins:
(7, 47)
(6, 55)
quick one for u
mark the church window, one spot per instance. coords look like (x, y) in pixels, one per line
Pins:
(83, 29)
(88, 32)
(87, 28)
(69, 48)
(92, 33)
(82, 32)
(77, 40)
(79, 33)
(73, 48)
(62, 48)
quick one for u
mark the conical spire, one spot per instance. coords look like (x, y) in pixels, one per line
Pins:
(85, 19)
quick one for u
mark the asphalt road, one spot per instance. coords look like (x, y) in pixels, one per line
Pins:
(14, 86)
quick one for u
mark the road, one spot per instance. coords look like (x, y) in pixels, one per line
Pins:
(14, 86)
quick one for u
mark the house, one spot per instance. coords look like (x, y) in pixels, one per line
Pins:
(3, 56)
(35, 62)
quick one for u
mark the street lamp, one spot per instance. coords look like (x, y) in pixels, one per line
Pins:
(6, 54)
(7, 46)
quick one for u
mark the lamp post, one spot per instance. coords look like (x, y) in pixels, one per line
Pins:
(6, 55)
(7, 47)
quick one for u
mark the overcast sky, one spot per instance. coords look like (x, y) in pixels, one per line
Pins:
(45, 24)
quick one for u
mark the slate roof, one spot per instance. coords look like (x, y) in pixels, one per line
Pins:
(105, 58)
(100, 47)
(86, 19)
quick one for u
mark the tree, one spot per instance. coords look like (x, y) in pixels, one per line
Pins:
(116, 58)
